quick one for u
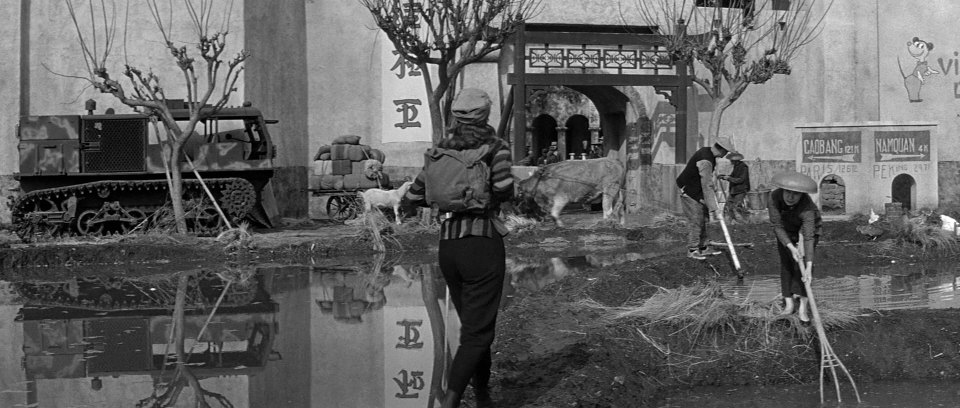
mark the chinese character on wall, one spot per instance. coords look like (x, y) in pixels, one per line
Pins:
(405, 115)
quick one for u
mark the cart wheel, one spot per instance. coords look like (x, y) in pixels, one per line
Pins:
(341, 208)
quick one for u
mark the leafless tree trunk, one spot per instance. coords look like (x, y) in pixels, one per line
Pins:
(146, 94)
(736, 42)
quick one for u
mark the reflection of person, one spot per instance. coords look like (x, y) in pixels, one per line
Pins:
(739, 179)
(792, 212)
(471, 254)
(697, 195)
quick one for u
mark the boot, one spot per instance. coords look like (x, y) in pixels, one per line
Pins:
(803, 310)
(450, 400)
(483, 397)
(787, 306)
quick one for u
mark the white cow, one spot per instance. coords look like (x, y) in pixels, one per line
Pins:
(378, 198)
(555, 185)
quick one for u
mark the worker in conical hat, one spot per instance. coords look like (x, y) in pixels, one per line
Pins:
(739, 179)
(792, 212)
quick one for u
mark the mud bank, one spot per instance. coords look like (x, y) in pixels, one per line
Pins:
(550, 350)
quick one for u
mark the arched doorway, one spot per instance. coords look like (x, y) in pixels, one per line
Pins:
(544, 133)
(578, 131)
(833, 195)
(903, 190)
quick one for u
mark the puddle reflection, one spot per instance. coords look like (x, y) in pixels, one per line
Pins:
(885, 394)
(106, 341)
(915, 286)
(368, 334)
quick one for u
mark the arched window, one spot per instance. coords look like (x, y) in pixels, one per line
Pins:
(833, 195)
(903, 190)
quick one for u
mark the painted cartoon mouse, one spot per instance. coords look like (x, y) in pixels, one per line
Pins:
(919, 50)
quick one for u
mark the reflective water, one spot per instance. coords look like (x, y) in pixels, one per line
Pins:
(897, 286)
(874, 395)
(361, 334)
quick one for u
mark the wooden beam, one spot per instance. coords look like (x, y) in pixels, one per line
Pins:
(519, 140)
(566, 38)
(593, 79)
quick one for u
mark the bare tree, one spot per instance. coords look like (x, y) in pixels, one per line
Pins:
(450, 35)
(207, 91)
(738, 42)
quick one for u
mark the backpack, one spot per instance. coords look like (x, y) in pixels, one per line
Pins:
(457, 180)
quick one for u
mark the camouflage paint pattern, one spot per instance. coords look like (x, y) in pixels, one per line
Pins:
(50, 127)
(54, 348)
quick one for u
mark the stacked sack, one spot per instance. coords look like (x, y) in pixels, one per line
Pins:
(348, 165)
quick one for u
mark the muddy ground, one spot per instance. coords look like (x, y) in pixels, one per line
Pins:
(550, 349)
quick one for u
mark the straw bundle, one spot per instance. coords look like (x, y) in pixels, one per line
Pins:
(516, 223)
(703, 308)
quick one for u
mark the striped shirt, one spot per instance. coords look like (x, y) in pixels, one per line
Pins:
(460, 225)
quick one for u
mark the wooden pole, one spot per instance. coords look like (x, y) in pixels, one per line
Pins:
(726, 235)
(828, 359)
(207, 190)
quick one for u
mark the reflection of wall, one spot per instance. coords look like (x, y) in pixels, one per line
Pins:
(11, 353)
(125, 391)
(346, 359)
(286, 382)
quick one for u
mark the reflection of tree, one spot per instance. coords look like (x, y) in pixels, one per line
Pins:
(167, 394)
(431, 300)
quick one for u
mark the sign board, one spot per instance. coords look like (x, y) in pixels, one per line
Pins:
(874, 163)
(405, 112)
(902, 145)
(821, 147)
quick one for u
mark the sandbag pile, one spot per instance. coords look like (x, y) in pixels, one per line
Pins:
(348, 165)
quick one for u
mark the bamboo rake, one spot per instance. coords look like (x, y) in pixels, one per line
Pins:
(828, 359)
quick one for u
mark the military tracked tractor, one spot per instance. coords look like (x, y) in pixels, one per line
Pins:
(104, 174)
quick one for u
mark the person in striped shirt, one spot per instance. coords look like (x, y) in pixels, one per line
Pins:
(472, 257)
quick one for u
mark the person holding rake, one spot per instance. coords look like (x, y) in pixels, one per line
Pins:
(792, 212)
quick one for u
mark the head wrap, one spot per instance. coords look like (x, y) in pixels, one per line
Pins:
(471, 107)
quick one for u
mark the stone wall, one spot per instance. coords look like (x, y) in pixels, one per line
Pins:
(949, 182)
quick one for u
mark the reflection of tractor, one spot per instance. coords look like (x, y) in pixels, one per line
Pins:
(148, 292)
(102, 174)
(64, 337)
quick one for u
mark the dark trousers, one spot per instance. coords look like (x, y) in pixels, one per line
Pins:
(734, 208)
(790, 282)
(474, 269)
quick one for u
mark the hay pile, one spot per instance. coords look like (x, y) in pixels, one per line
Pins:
(518, 224)
(702, 311)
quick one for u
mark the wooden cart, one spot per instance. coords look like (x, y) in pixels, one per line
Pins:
(342, 205)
